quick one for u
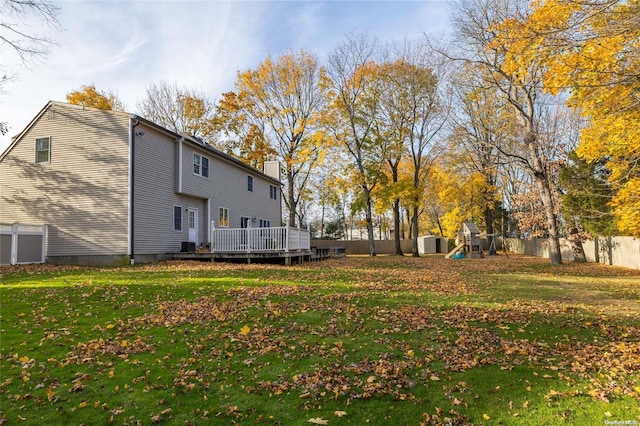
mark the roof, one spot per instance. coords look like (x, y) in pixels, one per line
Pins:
(471, 227)
(185, 137)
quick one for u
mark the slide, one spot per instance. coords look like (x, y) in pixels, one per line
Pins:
(455, 250)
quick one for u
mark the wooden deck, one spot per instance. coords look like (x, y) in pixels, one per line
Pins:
(287, 258)
(275, 244)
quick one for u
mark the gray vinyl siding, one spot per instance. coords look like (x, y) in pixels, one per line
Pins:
(193, 184)
(82, 192)
(226, 186)
(230, 191)
(155, 196)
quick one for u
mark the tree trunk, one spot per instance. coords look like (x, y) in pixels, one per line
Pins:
(396, 227)
(414, 221)
(488, 226)
(555, 254)
(576, 246)
(369, 219)
(541, 179)
(292, 200)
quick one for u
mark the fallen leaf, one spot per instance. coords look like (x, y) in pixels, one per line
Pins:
(340, 413)
(245, 330)
(486, 417)
(318, 421)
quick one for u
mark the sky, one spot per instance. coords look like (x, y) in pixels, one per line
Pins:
(124, 46)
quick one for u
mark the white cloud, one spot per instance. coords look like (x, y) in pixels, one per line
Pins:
(124, 46)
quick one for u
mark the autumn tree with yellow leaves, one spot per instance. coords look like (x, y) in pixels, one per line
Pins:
(590, 51)
(420, 100)
(354, 102)
(89, 96)
(484, 41)
(239, 134)
(411, 116)
(278, 107)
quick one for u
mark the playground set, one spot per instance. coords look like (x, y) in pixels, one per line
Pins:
(469, 243)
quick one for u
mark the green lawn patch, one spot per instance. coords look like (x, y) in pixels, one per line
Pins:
(387, 340)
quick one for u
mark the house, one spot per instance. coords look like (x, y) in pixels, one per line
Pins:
(113, 187)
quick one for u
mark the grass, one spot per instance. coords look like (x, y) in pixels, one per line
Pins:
(502, 340)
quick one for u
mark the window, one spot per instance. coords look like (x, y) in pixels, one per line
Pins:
(205, 167)
(273, 192)
(200, 165)
(244, 222)
(224, 217)
(250, 183)
(265, 223)
(43, 150)
(177, 218)
(191, 218)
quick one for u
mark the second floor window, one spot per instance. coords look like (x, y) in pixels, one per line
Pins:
(250, 183)
(273, 192)
(43, 150)
(200, 165)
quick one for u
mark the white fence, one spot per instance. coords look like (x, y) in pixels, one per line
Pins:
(618, 251)
(252, 240)
(22, 243)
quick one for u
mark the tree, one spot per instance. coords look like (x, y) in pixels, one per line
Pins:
(590, 50)
(484, 41)
(238, 135)
(354, 102)
(181, 110)
(587, 194)
(482, 128)
(17, 40)
(15, 34)
(282, 102)
(393, 125)
(89, 96)
(411, 100)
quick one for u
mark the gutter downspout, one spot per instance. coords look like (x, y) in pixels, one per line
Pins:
(180, 164)
(132, 151)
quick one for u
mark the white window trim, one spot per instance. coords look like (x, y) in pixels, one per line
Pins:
(174, 218)
(35, 151)
(220, 209)
(250, 178)
(200, 156)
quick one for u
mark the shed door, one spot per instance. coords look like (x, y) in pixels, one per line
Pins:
(192, 219)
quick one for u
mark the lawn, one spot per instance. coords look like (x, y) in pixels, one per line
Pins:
(386, 340)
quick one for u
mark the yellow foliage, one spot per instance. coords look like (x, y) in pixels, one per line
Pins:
(451, 222)
(589, 50)
(89, 96)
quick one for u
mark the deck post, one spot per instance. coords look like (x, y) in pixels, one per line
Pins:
(248, 236)
(286, 239)
(211, 239)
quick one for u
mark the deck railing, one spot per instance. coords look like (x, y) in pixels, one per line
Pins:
(248, 240)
